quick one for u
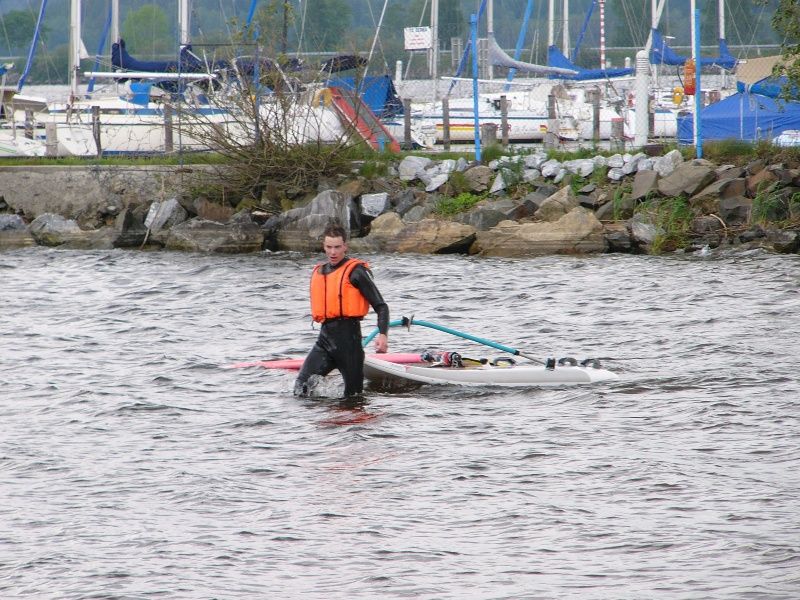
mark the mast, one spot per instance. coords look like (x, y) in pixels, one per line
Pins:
(656, 8)
(183, 21)
(721, 13)
(114, 21)
(434, 47)
(565, 25)
(490, 31)
(602, 4)
(551, 21)
(74, 47)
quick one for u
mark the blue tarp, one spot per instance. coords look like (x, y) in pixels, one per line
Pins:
(555, 58)
(377, 92)
(742, 116)
(769, 86)
(662, 54)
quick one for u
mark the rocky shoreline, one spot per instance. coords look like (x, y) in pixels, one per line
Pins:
(528, 205)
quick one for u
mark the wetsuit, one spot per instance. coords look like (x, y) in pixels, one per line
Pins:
(339, 343)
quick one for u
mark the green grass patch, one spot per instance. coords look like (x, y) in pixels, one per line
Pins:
(190, 158)
(737, 152)
(448, 207)
(771, 206)
(374, 168)
(672, 218)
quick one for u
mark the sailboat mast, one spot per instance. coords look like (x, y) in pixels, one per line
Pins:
(721, 12)
(490, 31)
(74, 47)
(565, 25)
(602, 4)
(551, 23)
(114, 21)
(434, 47)
(183, 21)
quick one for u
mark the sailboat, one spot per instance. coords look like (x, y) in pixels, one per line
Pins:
(669, 103)
(158, 107)
(527, 105)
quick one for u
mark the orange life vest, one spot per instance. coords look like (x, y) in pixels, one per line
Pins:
(333, 296)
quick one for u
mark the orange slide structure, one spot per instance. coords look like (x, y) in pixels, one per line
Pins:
(353, 112)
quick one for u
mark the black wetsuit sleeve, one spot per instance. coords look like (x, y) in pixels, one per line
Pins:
(362, 279)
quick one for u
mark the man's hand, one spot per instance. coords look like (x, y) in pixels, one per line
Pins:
(381, 343)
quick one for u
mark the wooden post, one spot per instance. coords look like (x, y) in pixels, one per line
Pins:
(618, 133)
(96, 130)
(168, 136)
(651, 117)
(446, 123)
(504, 121)
(406, 123)
(51, 140)
(488, 134)
(551, 138)
(29, 124)
(595, 93)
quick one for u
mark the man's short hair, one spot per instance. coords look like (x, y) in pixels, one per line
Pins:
(335, 230)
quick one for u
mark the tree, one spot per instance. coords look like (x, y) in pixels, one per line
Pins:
(786, 21)
(18, 29)
(147, 30)
(327, 22)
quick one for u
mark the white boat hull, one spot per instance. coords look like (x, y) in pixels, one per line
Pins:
(385, 373)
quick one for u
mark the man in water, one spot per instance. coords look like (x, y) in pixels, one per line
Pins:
(342, 290)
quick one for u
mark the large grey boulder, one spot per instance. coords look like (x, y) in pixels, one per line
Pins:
(383, 229)
(617, 236)
(582, 167)
(163, 215)
(482, 218)
(643, 232)
(14, 232)
(432, 236)
(534, 161)
(436, 181)
(666, 164)
(644, 183)
(551, 168)
(499, 183)
(300, 229)
(389, 233)
(577, 232)
(557, 205)
(238, 236)
(686, 180)
(707, 200)
(373, 205)
(411, 167)
(49, 229)
(478, 178)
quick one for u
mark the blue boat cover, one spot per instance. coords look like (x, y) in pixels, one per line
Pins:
(662, 54)
(769, 86)
(188, 63)
(555, 58)
(377, 92)
(742, 116)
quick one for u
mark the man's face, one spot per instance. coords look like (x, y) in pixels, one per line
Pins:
(335, 249)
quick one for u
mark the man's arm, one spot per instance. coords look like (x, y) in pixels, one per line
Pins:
(362, 279)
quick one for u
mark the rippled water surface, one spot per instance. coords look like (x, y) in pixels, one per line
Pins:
(133, 466)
